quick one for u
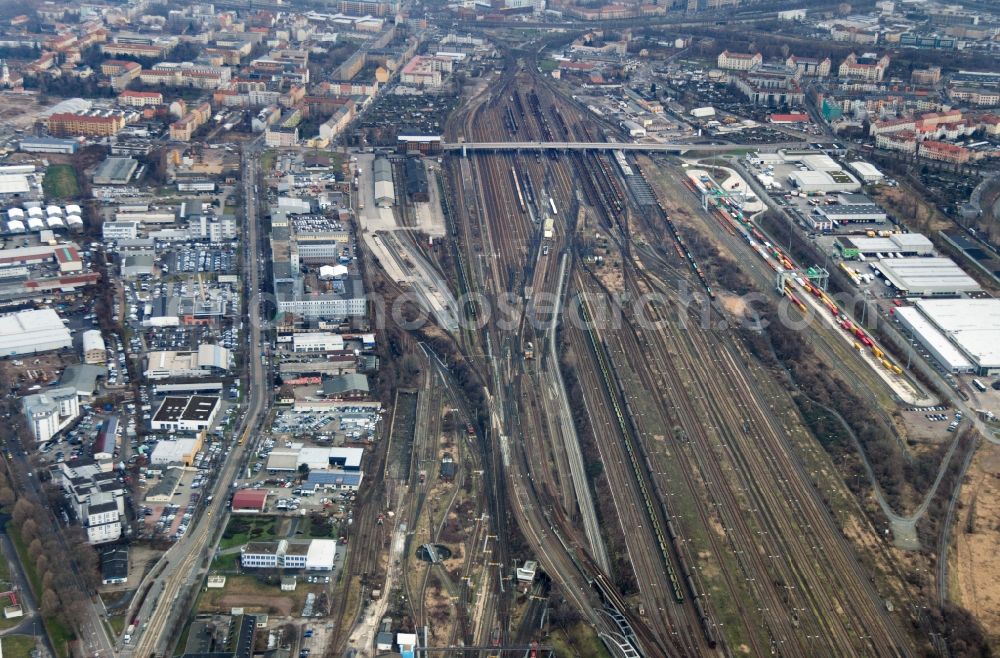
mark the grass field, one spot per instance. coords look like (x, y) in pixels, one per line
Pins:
(267, 159)
(243, 529)
(16, 646)
(60, 182)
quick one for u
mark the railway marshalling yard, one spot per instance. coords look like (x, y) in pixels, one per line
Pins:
(659, 469)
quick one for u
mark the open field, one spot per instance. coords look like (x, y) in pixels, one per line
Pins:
(975, 571)
(60, 182)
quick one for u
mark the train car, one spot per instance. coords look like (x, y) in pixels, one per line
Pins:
(552, 205)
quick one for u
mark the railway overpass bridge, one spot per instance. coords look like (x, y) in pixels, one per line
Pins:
(465, 147)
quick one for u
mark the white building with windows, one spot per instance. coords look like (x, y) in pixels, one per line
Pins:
(323, 341)
(50, 412)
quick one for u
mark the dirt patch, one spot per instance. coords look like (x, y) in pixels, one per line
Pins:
(975, 570)
(278, 605)
(733, 304)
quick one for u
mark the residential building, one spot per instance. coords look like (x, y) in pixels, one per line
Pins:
(739, 61)
(943, 151)
(50, 412)
(809, 66)
(140, 98)
(866, 67)
(425, 71)
(86, 125)
(928, 76)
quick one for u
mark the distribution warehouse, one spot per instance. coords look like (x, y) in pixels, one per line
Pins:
(30, 332)
(926, 277)
(962, 334)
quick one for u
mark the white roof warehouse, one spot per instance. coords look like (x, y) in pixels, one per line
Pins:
(31, 332)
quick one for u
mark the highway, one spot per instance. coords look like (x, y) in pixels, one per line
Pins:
(180, 570)
(611, 146)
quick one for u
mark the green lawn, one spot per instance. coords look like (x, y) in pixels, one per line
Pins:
(243, 529)
(548, 65)
(267, 159)
(60, 182)
(225, 563)
(16, 646)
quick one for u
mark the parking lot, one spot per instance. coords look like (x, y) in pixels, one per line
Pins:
(343, 424)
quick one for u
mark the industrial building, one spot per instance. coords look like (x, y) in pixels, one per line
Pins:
(115, 171)
(209, 359)
(94, 350)
(176, 451)
(823, 181)
(926, 277)
(962, 334)
(854, 214)
(866, 171)
(32, 332)
(323, 341)
(249, 501)
(385, 193)
(416, 181)
(191, 414)
(317, 459)
(897, 244)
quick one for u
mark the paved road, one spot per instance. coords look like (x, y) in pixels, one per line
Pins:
(182, 564)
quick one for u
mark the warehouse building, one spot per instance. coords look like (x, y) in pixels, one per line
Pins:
(416, 181)
(94, 350)
(926, 277)
(176, 451)
(897, 244)
(48, 145)
(850, 214)
(962, 334)
(191, 414)
(249, 501)
(208, 360)
(116, 171)
(823, 181)
(867, 172)
(32, 332)
(323, 341)
(385, 193)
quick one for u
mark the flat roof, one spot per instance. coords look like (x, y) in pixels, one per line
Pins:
(170, 409)
(24, 330)
(927, 275)
(939, 344)
(972, 324)
(322, 552)
(200, 407)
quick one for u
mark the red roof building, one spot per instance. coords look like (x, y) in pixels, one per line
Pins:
(249, 501)
(789, 118)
